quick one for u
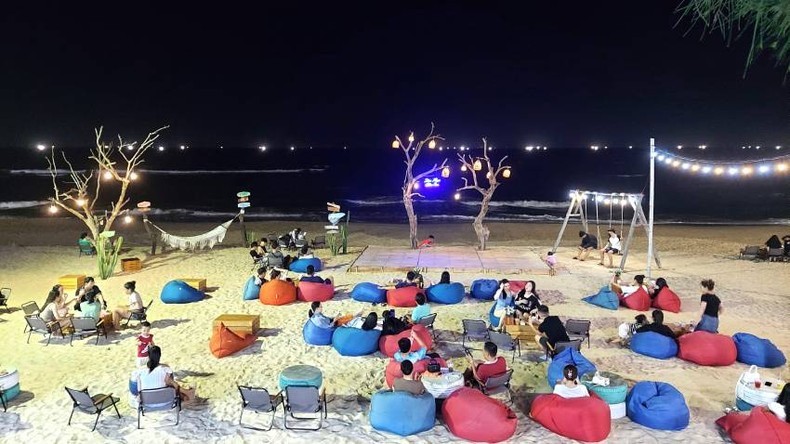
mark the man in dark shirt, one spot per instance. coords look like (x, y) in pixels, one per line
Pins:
(89, 287)
(411, 281)
(589, 243)
(311, 277)
(550, 329)
(657, 326)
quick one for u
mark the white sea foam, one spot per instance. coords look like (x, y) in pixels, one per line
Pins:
(61, 172)
(16, 204)
(541, 204)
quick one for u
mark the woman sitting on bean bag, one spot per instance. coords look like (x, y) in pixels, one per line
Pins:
(422, 309)
(317, 316)
(569, 386)
(369, 322)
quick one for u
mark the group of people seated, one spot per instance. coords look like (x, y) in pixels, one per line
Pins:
(775, 243)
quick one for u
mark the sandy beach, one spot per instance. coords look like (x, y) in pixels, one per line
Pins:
(34, 252)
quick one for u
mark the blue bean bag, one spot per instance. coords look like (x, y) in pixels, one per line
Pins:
(315, 335)
(402, 413)
(179, 292)
(758, 351)
(484, 289)
(605, 298)
(446, 293)
(369, 292)
(251, 291)
(300, 265)
(657, 405)
(654, 345)
(355, 341)
(565, 357)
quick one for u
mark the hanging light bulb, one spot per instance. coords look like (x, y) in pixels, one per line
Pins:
(411, 137)
(747, 170)
(446, 172)
(478, 165)
(457, 196)
(676, 163)
(53, 209)
(781, 167)
(432, 144)
(127, 219)
(506, 173)
(133, 176)
(463, 168)
(107, 175)
(395, 144)
(607, 201)
(80, 202)
(695, 168)
(416, 185)
(572, 195)
(615, 201)
(622, 202)
(706, 169)
(489, 175)
(718, 171)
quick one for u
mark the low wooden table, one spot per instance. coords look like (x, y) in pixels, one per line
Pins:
(196, 283)
(71, 281)
(241, 324)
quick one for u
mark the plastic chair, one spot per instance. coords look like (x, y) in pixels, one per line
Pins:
(158, 400)
(138, 315)
(86, 327)
(93, 405)
(304, 400)
(498, 384)
(474, 330)
(776, 254)
(258, 400)
(427, 322)
(578, 329)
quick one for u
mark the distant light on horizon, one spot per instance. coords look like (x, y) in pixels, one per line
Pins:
(764, 169)
(702, 147)
(53, 209)
(293, 148)
(529, 147)
(680, 147)
(630, 147)
(262, 147)
(183, 147)
(457, 196)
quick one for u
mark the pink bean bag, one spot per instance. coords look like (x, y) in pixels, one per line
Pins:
(388, 345)
(760, 426)
(471, 415)
(313, 291)
(667, 300)
(638, 300)
(705, 348)
(404, 296)
(392, 371)
(583, 419)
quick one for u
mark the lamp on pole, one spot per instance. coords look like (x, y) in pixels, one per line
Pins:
(651, 206)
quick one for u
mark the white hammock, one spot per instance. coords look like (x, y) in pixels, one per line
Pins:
(208, 239)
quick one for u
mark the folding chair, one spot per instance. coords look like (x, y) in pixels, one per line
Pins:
(750, 252)
(306, 400)
(498, 384)
(776, 254)
(138, 315)
(38, 325)
(30, 309)
(86, 327)
(93, 405)
(319, 242)
(159, 400)
(5, 293)
(560, 346)
(578, 329)
(258, 400)
(474, 330)
(506, 342)
(427, 322)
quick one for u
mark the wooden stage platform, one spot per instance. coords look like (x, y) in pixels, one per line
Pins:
(451, 258)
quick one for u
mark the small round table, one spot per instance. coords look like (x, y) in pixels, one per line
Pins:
(443, 385)
(9, 384)
(301, 375)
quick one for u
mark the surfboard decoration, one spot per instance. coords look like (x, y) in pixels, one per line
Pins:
(244, 199)
(144, 206)
(334, 218)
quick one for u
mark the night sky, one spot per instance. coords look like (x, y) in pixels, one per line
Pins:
(565, 75)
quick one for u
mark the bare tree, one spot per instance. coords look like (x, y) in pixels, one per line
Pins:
(412, 151)
(472, 166)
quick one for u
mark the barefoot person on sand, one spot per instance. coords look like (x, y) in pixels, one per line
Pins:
(710, 308)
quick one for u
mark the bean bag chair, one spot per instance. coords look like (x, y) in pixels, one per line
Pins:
(657, 405)
(667, 300)
(313, 291)
(605, 298)
(484, 289)
(300, 265)
(446, 293)
(471, 415)
(277, 292)
(404, 296)
(369, 292)
(388, 344)
(225, 343)
(760, 426)
(251, 290)
(516, 286)
(179, 292)
(753, 350)
(355, 342)
(704, 348)
(638, 300)
(583, 419)
(315, 335)
(654, 345)
(565, 357)
(392, 371)
(402, 413)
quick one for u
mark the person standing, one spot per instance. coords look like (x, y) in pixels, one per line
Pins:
(710, 308)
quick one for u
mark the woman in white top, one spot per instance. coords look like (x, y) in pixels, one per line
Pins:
(569, 386)
(123, 311)
(156, 375)
(612, 247)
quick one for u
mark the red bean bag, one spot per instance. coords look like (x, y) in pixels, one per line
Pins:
(392, 371)
(404, 296)
(638, 300)
(759, 426)
(277, 292)
(667, 300)
(704, 348)
(516, 286)
(313, 291)
(583, 419)
(388, 345)
(471, 415)
(225, 343)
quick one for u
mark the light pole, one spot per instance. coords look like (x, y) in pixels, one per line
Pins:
(651, 205)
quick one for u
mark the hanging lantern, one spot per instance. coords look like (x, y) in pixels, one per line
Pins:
(53, 209)
(489, 175)
(446, 172)
(133, 176)
(478, 165)
(127, 219)
(395, 144)
(506, 173)
(432, 144)
(411, 137)
(463, 168)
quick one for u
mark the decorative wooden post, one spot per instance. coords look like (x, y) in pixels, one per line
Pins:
(144, 207)
(244, 202)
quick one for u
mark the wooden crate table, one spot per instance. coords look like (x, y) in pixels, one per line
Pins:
(71, 281)
(521, 333)
(131, 264)
(197, 283)
(241, 324)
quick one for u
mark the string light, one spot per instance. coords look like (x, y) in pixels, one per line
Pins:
(80, 202)
(107, 175)
(127, 219)
(161, 148)
(463, 168)
(457, 196)
(133, 176)
(41, 147)
(745, 168)
(263, 147)
(506, 173)
(446, 172)
(411, 137)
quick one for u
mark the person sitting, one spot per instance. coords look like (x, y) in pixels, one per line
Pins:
(445, 277)
(479, 371)
(275, 257)
(91, 308)
(260, 276)
(369, 322)
(551, 330)
(404, 347)
(89, 286)
(422, 309)
(124, 311)
(786, 244)
(527, 301)
(411, 281)
(57, 310)
(297, 236)
(569, 386)
(56, 290)
(588, 243)
(316, 316)
(255, 253)
(427, 242)
(636, 284)
(504, 301)
(781, 407)
(311, 277)
(661, 283)
(710, 308)
(391, 324)
(626, 330)
(407, 383)
(305, 253)
(612, 247)
(657, 326)
(86, 244)
(157, 375)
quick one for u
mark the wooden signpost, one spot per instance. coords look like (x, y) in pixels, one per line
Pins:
(244, 202)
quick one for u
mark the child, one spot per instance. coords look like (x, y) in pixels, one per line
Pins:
(428, 242)
(144, 342)
(626, 330)
(551, 261)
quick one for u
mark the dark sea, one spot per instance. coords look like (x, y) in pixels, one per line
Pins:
(199, 184)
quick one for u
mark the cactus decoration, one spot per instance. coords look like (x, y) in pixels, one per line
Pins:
(107, 253)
